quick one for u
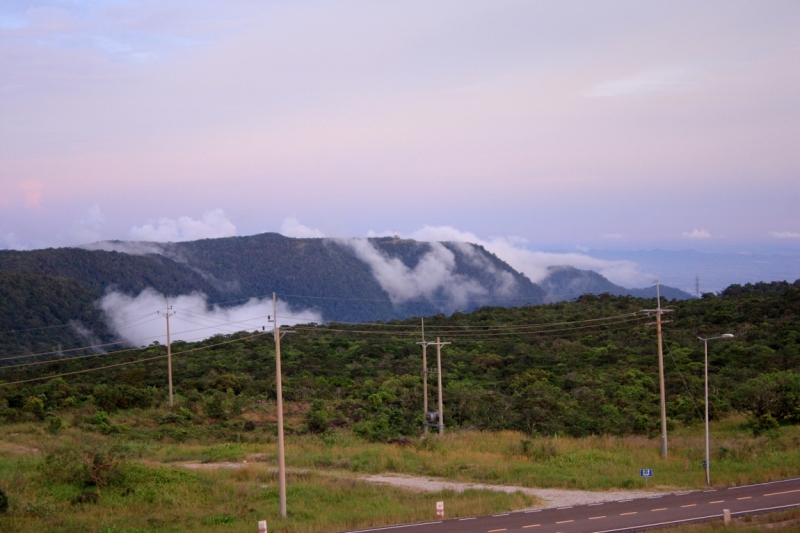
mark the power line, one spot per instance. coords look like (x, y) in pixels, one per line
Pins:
(131, 362)
(67, 325)
(415, 327)
(94, 346)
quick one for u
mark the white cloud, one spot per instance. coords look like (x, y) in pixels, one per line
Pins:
(432, 278)
(214, 224)
(784, 234)
(10, 241)
(534, 264)
(128, 247)
(385, 233)
(89, 226)
(648, 82)
(697, 234)
(292, 228)
(135, 320)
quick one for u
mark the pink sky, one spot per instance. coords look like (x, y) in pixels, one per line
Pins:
(568, 124)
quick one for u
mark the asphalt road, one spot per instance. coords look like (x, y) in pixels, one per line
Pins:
(624, 515)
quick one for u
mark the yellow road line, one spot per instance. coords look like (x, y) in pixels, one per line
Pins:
(718, 501)
(532, 525)
(496, 530)
(744, 498)
(661, 509)
(690, 505)
(565, 522)
(626, 514)
(596, 517)
(784, 492)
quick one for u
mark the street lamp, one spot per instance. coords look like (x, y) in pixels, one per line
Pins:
(708, 458)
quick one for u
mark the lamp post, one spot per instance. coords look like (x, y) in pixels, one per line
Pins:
(708, 458)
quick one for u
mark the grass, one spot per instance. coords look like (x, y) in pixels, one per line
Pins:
(589, 463)
(167, 499)
(153, 493)
(780, 521)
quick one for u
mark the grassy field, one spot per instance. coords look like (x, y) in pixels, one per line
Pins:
(150, 498)
(590, 463)
(152, 491)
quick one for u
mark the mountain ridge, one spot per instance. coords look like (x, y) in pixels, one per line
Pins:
(345, 280)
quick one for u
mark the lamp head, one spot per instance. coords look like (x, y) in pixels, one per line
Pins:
(727, 336)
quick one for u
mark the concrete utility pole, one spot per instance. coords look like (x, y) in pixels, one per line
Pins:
(167, 314)
(439, 345)
(658, 311)
(279, 392)
(424, 380)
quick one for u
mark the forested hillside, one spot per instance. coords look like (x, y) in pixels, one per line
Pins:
(41, 313)
(578, 368)
(326, 276)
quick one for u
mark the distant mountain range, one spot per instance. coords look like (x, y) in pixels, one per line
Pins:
(564, 282)
(353, 280)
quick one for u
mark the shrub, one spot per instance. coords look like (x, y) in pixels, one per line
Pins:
(123, 397)
(763, 424)
(3, 502)
(87, 464)
(316, 418)
(103, 423)
(217, 406)
(373, 430)
(171, 418)
(54, 424)
(36, 406)
(86, 496)
(10, 414)
(227, 382)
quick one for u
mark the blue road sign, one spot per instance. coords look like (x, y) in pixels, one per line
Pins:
(646, 472)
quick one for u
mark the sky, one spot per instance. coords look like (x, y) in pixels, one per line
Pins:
(547, 127)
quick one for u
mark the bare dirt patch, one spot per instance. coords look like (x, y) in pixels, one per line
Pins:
(551, 497)
(16, 449)
(214, 466)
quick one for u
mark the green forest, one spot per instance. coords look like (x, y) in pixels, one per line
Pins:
(309, 273)
(587, 367)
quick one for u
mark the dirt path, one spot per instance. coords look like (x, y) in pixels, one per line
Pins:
(552, 497)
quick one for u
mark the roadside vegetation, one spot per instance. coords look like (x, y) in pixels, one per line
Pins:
(549, 396)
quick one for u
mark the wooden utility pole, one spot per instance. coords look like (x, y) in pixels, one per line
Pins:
(167, 314)
(276, 332)
(424, 344)
(658, 311)
(439, 345)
